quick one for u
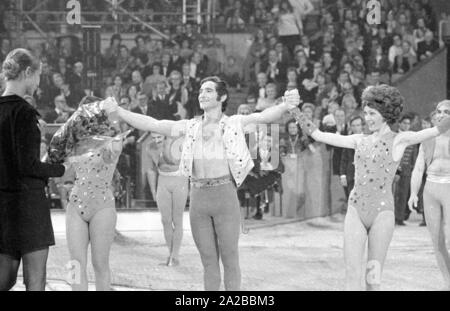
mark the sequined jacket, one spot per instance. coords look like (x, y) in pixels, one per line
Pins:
(237, 153)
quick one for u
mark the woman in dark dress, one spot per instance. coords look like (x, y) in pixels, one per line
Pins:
(25, 225)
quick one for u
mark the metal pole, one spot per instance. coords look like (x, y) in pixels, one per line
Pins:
(159, 33)
(199, 12)
(184, 12)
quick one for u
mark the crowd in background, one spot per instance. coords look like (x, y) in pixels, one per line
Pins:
(330, 67)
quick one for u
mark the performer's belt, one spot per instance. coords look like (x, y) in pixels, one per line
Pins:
(438, 179)
(176, 173)
(211, 182)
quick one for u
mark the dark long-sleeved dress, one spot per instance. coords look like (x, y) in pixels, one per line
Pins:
(25, 223)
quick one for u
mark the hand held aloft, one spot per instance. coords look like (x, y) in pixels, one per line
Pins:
(443, 125)
(308, 127)
(109, 105)
(291, 99)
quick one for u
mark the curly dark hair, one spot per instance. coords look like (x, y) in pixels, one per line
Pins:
(386, 99)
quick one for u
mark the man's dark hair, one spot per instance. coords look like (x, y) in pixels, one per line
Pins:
(221, 89)
(136, 39)
(115, 36)
(356, 117)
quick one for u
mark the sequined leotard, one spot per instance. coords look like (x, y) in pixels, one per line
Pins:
(374, 173)
(92, 189)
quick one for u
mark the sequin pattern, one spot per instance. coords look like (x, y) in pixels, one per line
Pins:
(374, 173)
(235, 146)
(92, 189)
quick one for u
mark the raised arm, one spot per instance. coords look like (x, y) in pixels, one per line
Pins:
(416, 178)
(291, 100)
(149, 124)
(336, 140)
(406, 139)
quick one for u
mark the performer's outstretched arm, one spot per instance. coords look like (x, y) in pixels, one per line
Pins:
(149, 124)
(291, 100)
(416, 178)
(406, 139)
(336, 140)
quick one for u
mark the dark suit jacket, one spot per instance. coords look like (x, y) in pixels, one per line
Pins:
(162, 109)
(382, 66)
(254, 90)
(280, 72)
(423, 47)
(347, 166)
(337, 152)
(176, 65)
(20, 166)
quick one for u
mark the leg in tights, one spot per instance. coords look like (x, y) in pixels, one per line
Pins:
(8, 272)
(205, 239)
(435, 224)
(77, 233)
(380, 236)
(355, 237)
(164, 202)
(227, 227)
(180, 194)
(101, 232)
(35, 270)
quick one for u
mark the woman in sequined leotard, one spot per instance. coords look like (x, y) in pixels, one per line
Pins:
(91, 214)
(370, 213)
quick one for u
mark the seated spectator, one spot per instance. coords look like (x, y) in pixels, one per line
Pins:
(419, 32)
(270, 100)
(165, 64)
(143, 104)
(329, 66)
(176, 61)
(374, 78)
(403, 28)
(310, 85)
(5, 48)
(395, 49)
(64, 69)
(292, 81)
(160, 106)
(125, 102)
(152, 80)
(137, 81)
(61, 113)
(77, 76)
(232, 72)
(132, 94)
(274, 70)
(186, 51)
(140, 50)
(349, 104)
(255, 54)
(73, 96)
(141, 65)
(116, 90)
(291, 144)
(198, 66)
(378, 61)
(258, 90)
(112, 53)
(124, 63)
(320, 89)
(235, 21)
(178, 94)
(427, 47)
